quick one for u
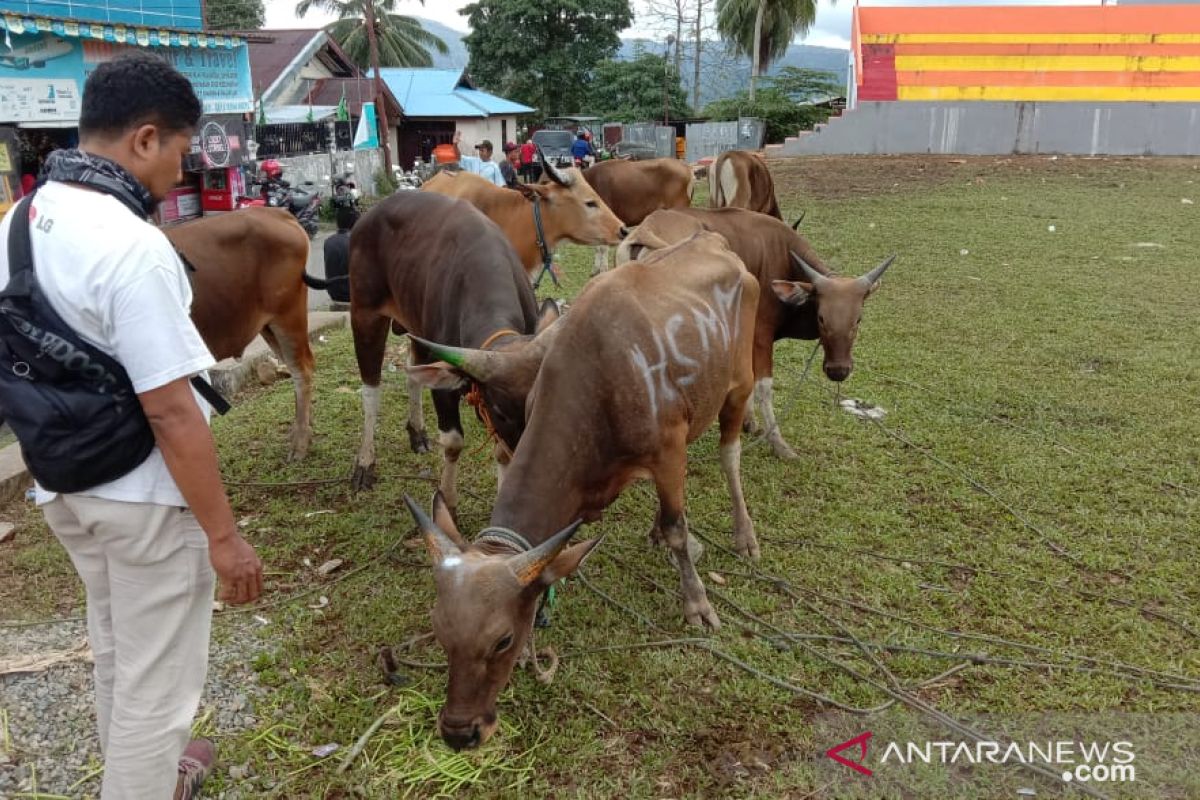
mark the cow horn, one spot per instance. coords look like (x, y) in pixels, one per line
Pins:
(550, 169)
(440, 545)
(815, 278)
(868, 280)
(799, 219)
(478, 364)
(528, 566)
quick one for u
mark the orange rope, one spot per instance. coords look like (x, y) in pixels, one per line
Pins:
(475, 399)
(492, 339)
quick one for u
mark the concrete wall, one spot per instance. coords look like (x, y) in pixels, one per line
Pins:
(321, 167)
(491, 128)
(982, 128)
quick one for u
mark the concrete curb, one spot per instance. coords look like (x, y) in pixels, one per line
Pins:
(229, 377)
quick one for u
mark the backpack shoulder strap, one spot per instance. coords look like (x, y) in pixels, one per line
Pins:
(20, 251)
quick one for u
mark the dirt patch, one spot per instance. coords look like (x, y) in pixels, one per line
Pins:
(845, 177)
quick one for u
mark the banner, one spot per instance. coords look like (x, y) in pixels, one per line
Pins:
(366, 136)
(42, 75)
(220, 142)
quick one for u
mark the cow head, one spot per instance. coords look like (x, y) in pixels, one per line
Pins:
(572, 210)
(839, 303)
(487, 595)
(505, 374)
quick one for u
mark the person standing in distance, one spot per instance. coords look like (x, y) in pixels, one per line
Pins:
(146, 544)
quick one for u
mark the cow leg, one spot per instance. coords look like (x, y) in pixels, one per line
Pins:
(669, 480)
(601, 262)
(292, 347)
(764, 351)
(417, 439)
(764, 393)
(744, 540)
(450, 437)
(370, 341)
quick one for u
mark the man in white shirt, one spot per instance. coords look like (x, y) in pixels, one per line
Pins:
(144, 542)
(482, 164)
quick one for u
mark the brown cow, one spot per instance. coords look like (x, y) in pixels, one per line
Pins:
(636, 189)
(249, 279)
(800, 297)
(740, 179)
(568, 208)
(433, 266)
(647, 358)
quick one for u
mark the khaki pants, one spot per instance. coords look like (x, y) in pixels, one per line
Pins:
(149, 608)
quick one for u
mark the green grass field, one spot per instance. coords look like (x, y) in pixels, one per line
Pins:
(1035, 481)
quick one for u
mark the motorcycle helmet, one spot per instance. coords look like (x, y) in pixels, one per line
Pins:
(272, 169)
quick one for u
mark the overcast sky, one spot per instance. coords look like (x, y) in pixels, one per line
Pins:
(832, 28)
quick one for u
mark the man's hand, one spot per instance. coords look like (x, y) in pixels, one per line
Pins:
(238, 569)
(187, 446)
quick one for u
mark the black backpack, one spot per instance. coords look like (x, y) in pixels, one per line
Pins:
(72, 406)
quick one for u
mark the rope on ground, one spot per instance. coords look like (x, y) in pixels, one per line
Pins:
(995, 418)
(1118, 668)
(1061, 587)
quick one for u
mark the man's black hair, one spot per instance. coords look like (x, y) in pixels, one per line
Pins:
(137, 88)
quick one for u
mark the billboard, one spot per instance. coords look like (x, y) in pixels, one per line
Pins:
(42, 75)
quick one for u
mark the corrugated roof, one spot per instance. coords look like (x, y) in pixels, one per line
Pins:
(328, 91)
(268, 60)
(491, 103)
(444, 93)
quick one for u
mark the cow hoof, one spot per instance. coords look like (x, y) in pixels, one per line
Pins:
(750, 426)
(299, 448)
(701, 615)
(417, 440)
(363, 477)
(749, 551)
(783, 451)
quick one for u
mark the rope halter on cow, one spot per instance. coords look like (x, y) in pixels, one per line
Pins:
(540, 235)
(508, 539)
(475, 398)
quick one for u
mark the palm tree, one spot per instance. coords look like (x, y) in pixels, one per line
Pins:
(763, 29)
(373, 36)
(401, 40)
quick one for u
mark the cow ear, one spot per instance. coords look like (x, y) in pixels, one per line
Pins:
(566, 562)
(794, 293)
(438, 375)
(548, 314)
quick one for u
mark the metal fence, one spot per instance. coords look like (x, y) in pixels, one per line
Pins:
(704, 139)
(710, 139)
(302, 138)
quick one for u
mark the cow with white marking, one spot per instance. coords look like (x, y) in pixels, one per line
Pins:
(799, 298)
(648, 357)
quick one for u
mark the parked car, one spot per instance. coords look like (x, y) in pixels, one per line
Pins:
(555, 146)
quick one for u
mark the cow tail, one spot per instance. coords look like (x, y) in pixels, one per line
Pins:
(313, 282)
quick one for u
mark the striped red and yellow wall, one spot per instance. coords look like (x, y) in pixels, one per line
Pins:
(1038, 53)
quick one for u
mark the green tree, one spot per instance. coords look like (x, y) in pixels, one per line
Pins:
(632, 91)
(400, 39)
(763, 29)
(543, 52)
(235, 15)
(804, 84)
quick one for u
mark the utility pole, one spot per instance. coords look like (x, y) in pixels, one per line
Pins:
(696, 62)
(666, 78)
(380, 112)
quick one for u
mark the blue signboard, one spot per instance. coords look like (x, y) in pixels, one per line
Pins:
(167, 13)
(42, 74)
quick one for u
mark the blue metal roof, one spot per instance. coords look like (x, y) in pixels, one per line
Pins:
(424, 92)
(167, 13)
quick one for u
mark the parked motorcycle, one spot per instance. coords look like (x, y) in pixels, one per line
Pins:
(345, 191)
(270, 189)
